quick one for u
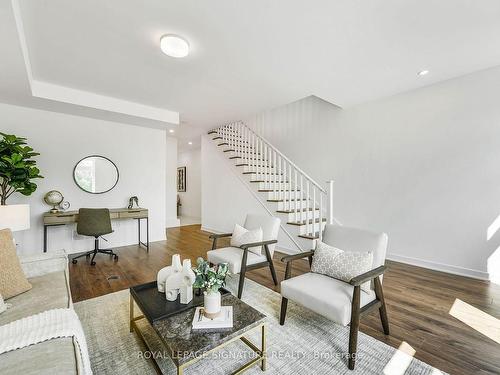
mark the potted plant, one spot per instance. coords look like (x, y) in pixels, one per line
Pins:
(210, 279)
(17, 167)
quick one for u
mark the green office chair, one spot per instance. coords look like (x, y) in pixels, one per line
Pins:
(94, 222)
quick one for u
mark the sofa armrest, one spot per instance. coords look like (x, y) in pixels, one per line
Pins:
(41, 264)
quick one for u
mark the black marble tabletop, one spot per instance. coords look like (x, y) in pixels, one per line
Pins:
(186, 344)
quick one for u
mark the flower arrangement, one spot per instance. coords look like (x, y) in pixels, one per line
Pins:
(208, 278)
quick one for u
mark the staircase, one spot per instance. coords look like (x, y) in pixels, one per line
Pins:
(283, 188)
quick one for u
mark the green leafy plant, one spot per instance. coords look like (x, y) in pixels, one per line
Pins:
(208, 278)
(17, 167)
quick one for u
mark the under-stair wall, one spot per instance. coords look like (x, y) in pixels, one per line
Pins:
(276, 184)
(225, 198)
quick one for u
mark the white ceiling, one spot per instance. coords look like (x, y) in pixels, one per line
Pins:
(246, 56)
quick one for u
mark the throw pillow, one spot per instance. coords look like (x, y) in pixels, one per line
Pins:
(340, 264)
(12, 278)
(243, 236)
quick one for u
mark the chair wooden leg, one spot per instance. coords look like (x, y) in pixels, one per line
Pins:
(271, 265)
(214, 244)
(242, 273)
(382, 309)
(353, 336)
(273, 272)
(284, 305)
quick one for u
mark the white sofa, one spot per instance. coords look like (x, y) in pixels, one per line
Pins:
(49, 276)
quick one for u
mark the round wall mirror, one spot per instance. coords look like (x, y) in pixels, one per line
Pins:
(96, 174)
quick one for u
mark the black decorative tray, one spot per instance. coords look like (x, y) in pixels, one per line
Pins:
(155, 306)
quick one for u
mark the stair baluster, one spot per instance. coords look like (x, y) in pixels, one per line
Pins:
(305, 202)
(313, 231)
(308, 197)
(296, 200)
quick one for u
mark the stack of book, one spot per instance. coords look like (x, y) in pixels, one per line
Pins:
(224, 320)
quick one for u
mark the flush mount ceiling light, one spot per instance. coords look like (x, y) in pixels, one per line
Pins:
(174, 45)
(190, 143)
(423, 73)
(171, 131)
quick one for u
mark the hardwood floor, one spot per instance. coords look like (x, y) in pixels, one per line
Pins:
(418, 300)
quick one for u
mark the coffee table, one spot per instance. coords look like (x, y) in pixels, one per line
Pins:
(171, 322)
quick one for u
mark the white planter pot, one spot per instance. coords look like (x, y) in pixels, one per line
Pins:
(212, 304)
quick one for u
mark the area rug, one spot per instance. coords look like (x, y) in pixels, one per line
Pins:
(306, 344)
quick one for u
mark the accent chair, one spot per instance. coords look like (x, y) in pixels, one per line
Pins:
(240, 259)
(342, 302)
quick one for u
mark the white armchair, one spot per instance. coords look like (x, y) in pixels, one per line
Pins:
(337, 300)
(240, 259)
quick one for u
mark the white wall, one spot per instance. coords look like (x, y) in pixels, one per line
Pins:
(171, 183)
(191, 199)
(422, 166)
(225, 198)
(63, 140)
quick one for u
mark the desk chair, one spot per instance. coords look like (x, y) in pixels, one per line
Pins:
(94, 222)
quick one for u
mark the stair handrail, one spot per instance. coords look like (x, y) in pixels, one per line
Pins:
(287, 159)
(257, 152)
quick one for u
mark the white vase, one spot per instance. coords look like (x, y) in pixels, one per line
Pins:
(166, 272)
(212, 304)
(162, 277)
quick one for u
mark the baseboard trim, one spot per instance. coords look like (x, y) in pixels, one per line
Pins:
(173, 223)
(455, 270)
(436, 266)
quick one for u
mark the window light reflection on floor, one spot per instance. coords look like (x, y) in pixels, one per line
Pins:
(479, 320)
(400, 361)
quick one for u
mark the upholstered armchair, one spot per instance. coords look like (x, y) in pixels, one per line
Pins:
(241, 259)
(342, 302)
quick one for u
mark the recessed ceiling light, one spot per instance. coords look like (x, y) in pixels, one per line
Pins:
(190, 143)
(174, 45)
(171, 131)
(423, 72)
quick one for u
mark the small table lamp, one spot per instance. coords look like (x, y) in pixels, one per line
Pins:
(15, 216)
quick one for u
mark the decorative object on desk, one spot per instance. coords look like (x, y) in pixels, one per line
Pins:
(53, 198)
(224, 320)
(210, 280)
(165, 272)
(181, 179)
(96, 174)
(64, 205)
(181, 283)
(17, 167)
(131, 202)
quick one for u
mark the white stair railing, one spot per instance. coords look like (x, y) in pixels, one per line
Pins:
(297, 192)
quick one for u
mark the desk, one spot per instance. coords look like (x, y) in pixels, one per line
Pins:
(71, 217)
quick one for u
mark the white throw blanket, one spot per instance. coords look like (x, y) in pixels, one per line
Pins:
(41, 327)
